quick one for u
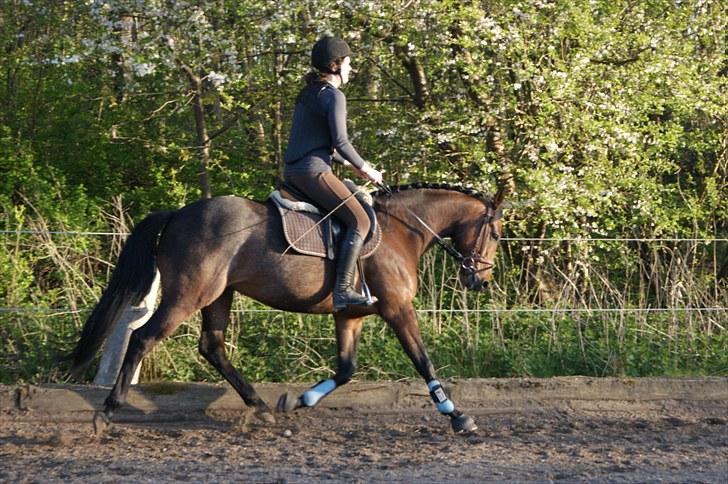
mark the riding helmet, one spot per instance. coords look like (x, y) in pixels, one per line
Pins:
(326, 51)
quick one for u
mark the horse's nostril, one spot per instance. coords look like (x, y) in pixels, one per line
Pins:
(474, 283)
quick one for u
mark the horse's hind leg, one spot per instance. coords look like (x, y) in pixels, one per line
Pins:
(215, 319)
(162, 323)
(347, 340)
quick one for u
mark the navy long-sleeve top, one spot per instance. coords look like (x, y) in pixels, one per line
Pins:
(319, 128)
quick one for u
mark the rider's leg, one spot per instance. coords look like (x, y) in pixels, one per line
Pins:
(327, 190)
(348, 253)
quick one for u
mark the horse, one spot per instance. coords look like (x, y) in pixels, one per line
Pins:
(211, 248)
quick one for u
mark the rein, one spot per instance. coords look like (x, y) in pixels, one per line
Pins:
(466, 263)
(438, 240)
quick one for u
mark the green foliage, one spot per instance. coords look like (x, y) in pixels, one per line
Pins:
(612, 116)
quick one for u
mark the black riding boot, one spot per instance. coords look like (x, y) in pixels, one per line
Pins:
(344, 293)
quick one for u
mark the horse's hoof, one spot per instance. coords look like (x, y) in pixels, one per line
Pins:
(265, 416)
(102, 423)
(463, 425)
(287, 402)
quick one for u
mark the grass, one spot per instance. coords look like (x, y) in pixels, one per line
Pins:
(292, 348)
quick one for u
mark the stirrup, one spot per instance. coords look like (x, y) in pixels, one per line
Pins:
(351, 298)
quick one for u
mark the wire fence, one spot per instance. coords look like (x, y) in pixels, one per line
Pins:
(57, 311)
(61, 311)
(510, 239)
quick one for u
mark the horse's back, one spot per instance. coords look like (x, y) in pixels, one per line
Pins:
(210, 230)
(221, 213)
(235, 242)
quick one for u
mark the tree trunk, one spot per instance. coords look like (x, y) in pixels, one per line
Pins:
(416, 74)
(202, 139)
(256, 131)
(277, 118)
(126, 33)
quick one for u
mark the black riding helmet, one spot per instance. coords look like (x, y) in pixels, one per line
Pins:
(326, 51)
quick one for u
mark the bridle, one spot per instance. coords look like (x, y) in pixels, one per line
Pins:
(467, 263)
(486, 232)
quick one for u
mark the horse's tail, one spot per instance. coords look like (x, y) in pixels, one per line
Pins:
(130, 283)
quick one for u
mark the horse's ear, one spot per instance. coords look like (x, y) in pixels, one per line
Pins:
(500, 195)
(506, 186)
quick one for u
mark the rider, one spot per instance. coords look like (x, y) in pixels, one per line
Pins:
(318, 137)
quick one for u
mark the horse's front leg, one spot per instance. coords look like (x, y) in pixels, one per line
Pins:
(347, 339)
(404, 323)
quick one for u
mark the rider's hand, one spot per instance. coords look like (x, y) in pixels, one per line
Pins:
(372, 174)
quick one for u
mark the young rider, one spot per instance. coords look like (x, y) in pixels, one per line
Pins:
(318, 137)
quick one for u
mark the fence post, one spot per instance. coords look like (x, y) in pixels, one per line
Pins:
(113, 356)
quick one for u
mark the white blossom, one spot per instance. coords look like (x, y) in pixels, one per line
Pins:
(143, 69)
(197, 17)
(217, 79)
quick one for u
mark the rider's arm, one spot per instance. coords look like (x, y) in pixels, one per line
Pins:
(337, 158)
(337, 128)
(344, 151)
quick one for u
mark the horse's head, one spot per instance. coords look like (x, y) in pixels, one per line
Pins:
(472, 221)
(477, 241)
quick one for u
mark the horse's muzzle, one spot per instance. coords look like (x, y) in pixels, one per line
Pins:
(473, 282)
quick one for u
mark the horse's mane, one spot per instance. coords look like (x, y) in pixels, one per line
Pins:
(436, 186)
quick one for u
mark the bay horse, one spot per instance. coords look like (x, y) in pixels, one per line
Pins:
(211, 248)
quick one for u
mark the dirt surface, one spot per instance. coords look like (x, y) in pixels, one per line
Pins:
(533, 436)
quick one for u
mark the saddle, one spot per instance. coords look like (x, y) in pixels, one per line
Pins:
(307, 234)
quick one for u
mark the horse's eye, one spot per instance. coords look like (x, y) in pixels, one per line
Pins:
(496, 236)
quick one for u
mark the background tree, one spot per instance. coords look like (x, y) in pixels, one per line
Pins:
(611, 116)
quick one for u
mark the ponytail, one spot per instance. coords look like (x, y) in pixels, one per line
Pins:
(316, 75)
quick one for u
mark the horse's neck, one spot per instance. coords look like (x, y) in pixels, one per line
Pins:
(437, 209)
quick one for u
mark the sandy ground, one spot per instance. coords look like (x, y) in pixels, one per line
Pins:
(533, 440)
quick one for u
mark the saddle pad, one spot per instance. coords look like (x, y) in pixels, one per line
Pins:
(296, 224)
